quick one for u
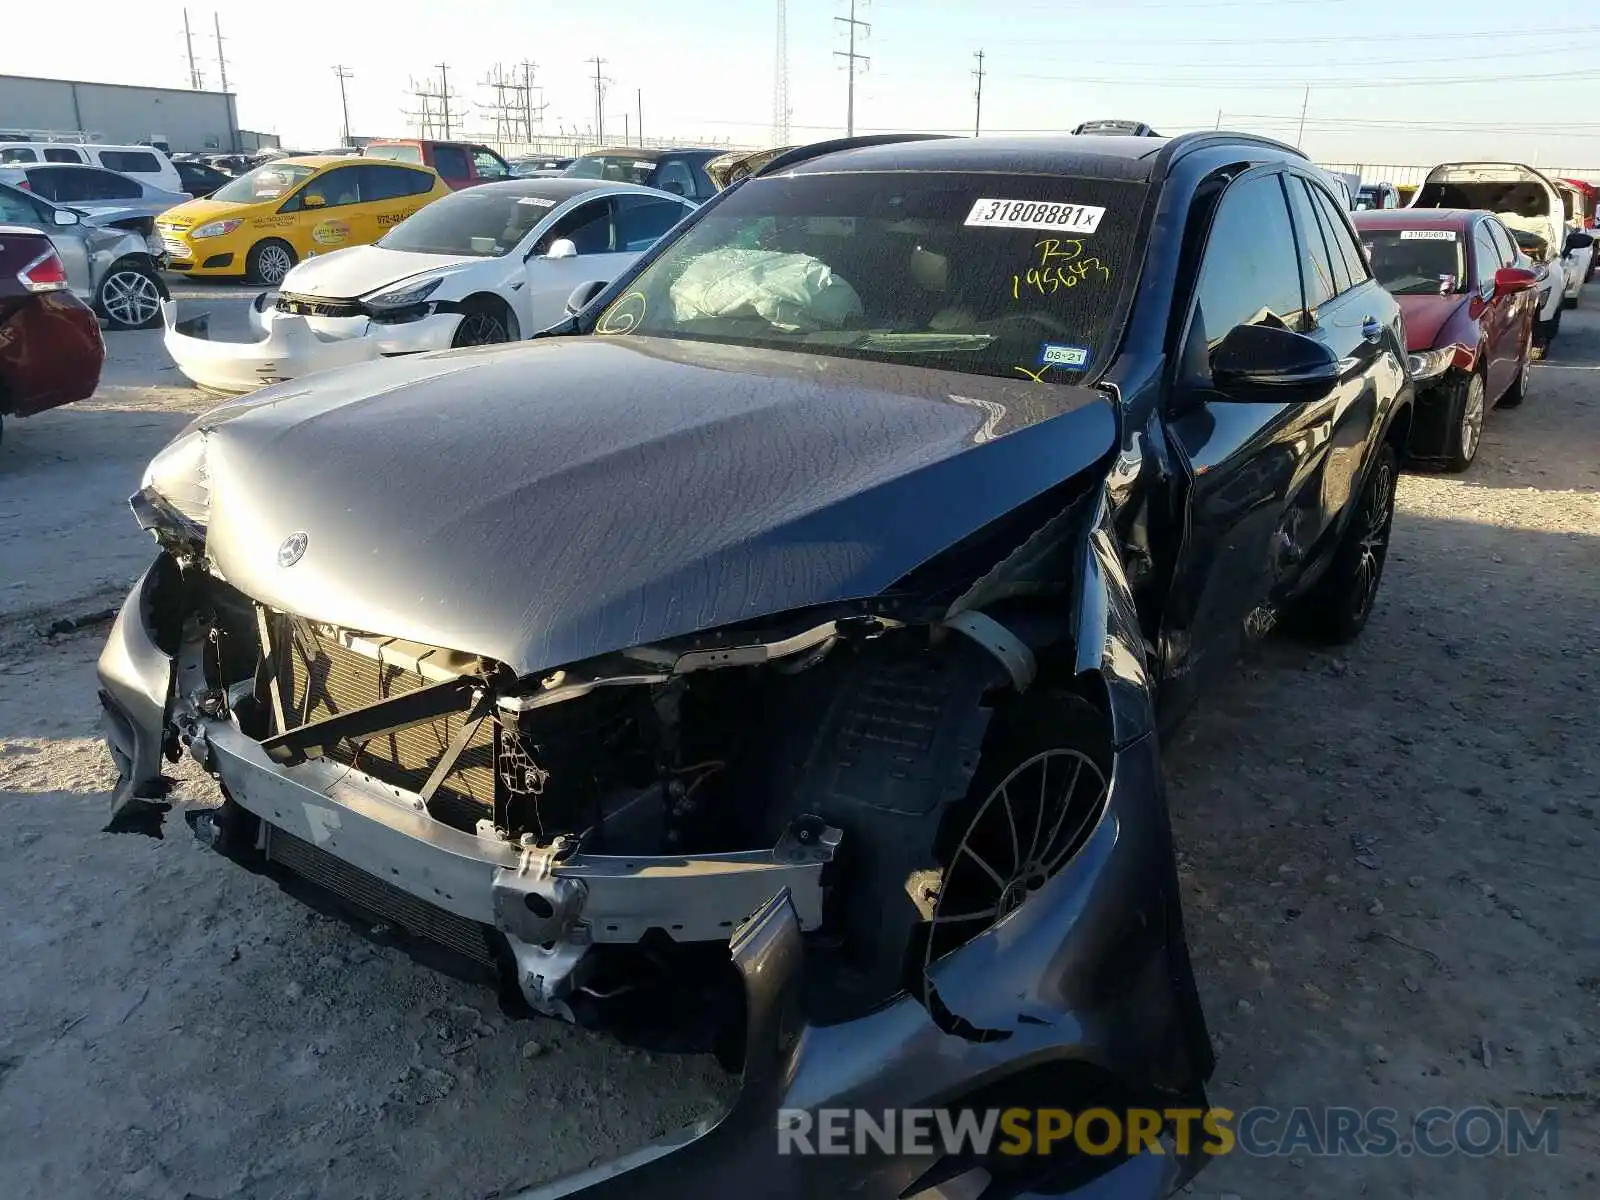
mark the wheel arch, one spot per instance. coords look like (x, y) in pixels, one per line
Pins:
(482, 297)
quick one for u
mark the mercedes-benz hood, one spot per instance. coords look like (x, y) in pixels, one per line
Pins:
(361, 270)
(545, 502)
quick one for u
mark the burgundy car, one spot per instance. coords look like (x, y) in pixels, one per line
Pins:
(50, 345)
(1465, 290)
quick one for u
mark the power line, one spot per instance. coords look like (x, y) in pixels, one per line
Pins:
(851, 58)
(977, 108)
(1480, 35)
(1339, 83)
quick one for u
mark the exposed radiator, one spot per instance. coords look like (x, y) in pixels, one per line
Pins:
(379, 898)
(319, 676)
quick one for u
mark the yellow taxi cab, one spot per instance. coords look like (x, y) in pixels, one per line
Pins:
(262, 223)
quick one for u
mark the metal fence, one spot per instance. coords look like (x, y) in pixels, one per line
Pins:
(570, 146)
(1402, 175)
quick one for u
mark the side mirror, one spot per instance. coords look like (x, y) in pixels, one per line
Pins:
(64, 216)
(562, 248)
(313, 200)
(1267, 362)
(1508, 281)
(583, 294)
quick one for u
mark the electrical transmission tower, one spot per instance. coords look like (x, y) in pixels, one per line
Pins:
(780, 82)
(428, 118)
(851, 58)
(222, 62)
(195, 80)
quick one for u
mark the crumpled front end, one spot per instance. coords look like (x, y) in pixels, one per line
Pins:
(289, 344)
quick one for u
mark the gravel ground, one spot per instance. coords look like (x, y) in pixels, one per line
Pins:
(1387, 856)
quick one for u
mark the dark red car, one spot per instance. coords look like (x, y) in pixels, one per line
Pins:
(460, 164)
(50, 345)
(1465, 290)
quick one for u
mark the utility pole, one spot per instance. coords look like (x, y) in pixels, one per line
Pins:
(1304, 104)
(344, 103)
(780, 80)
(599, 101)
(1218, 125)
(638, 99)
(222, 62)
(851, 58)
(977, 115)
(188, 42)
(444, 96)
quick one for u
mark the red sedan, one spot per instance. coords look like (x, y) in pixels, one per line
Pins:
(50, 345)
(1465, 290)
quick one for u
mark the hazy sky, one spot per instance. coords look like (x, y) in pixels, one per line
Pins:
(1512, 80)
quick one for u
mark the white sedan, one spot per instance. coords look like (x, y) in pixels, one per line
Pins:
(487, 264)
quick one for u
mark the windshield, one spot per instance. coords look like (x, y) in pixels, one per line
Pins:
(1416, 262)
(266, 182)
(614, 168)
(478, 222)
(989, 274)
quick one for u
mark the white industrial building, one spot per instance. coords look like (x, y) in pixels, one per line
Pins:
(119, 113)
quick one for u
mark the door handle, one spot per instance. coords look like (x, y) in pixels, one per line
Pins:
(1371, 330)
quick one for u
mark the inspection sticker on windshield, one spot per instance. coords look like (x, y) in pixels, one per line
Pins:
(1057, 354)
(1427, 235)
(1035, 214)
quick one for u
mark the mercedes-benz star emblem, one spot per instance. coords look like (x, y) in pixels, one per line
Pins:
(293, 548)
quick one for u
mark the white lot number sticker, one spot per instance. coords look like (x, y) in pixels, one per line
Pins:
(1427, 235)
(1035, 214)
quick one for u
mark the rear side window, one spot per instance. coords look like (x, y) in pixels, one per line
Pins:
(392, 183)
(1250, 274)
(18, 154)
(1316, 265)
(130, 160)
(407, 154)
(107, 185)
(59, 154)
(451, 162)
(674, 175)
(643, 219)
(1340, 244)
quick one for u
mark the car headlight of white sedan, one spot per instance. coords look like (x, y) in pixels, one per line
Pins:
(402, 302)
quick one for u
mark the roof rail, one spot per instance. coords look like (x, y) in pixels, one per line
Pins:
(802, 154)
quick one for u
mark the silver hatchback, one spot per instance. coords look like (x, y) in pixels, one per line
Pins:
(109, 268)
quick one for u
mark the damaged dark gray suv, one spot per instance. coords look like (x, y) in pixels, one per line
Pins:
(774, 657)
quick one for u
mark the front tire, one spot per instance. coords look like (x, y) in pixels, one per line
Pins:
(1466, 426)
(483, 323)
(129, 296)
(1336, 610)
(269, 261)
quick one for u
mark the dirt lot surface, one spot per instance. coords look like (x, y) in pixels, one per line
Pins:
(1388, 859)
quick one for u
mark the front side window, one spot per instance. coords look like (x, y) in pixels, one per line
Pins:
(1502, 240)
(1010, 275)
(1250, 274)
(64, 185)
(108, 185)
(16, 208)
(588, 227)
(476, 222)
(1487, 254)
(18, 154)
(488, 165)
(270, 181)
(1417, 262)
(337, 187)
(674, 176)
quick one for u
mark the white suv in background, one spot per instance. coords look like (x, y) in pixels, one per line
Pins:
(147, 164)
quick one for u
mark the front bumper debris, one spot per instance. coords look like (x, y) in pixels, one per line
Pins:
(288, 346)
